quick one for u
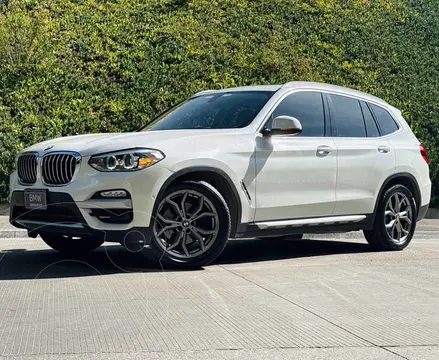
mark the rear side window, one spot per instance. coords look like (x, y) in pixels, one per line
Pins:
(307, 107)
(385, 120)
(346, 116)
(371, 126)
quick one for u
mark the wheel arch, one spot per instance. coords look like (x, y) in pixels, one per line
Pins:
(406, 179)
(214, 176)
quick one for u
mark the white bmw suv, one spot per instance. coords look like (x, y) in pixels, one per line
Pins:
(261, 161)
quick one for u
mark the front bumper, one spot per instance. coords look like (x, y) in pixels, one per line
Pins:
(143, 186)
(64, 216)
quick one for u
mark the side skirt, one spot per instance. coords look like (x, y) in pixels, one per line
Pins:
(336, 224)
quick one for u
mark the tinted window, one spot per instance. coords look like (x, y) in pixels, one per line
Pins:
(346, 117)
(307, 107)
(385, 120)
(371, 126)
(214, 111)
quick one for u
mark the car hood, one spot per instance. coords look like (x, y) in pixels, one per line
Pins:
(91, 144)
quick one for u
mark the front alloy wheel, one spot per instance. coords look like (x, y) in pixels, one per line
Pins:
(187, 224)
(191, 225)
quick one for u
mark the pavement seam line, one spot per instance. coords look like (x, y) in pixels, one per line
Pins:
(308, 310)
(394, 353)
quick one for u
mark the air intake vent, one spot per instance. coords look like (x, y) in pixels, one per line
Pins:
(27, 168)
(59, 168)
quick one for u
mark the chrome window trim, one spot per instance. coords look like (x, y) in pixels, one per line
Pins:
(324, 92)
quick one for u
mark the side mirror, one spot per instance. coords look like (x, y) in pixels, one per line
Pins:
(284, 125)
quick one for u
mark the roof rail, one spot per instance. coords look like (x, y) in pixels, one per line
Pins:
(334, 88)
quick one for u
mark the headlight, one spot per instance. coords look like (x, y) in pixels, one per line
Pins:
(126, 160)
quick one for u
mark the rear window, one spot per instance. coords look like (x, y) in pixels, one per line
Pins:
(385, 120)
(346, 116)
(229, 110)
(371, 126)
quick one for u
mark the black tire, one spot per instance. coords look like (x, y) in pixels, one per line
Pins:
(378, 237)
(223, 220)
(71, 245)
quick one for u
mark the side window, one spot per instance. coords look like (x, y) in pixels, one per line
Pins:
(371, 126)
(346, 116)
(385, 120)
(307, 107)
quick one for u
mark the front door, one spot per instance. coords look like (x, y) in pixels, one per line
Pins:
(296, 175)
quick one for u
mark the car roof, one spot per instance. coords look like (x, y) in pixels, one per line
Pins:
(302, 85)
(242, 88)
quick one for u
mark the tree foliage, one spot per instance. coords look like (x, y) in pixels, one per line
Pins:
(80, 66)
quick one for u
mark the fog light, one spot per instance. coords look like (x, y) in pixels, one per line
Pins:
(114, 194)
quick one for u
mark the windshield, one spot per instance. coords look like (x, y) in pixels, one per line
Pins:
(228, 110)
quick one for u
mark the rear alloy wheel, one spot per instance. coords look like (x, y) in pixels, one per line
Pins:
(395, 221)
(191, 225)
(71, 245)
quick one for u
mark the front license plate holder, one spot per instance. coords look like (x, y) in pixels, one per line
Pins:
(35, 199)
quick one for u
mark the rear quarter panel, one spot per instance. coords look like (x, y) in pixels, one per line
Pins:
(408, 157)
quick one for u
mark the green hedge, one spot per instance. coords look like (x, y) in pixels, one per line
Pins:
(70, 67)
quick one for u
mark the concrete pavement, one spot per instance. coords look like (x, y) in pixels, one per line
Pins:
(326, 298)
(351, 353)
(9, 231)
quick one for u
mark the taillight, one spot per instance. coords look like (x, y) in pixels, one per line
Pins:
(424, 153)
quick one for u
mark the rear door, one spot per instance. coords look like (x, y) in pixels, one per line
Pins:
(364, 158)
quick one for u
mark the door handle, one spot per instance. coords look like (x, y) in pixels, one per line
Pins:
(383, 149)
(324, 150)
